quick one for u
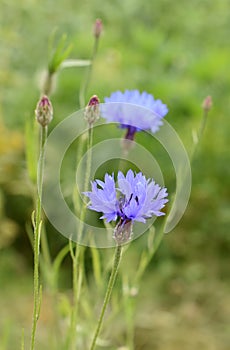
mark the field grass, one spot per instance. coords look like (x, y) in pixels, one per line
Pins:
(178, 51)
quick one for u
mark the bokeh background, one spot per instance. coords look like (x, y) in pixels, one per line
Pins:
(178, 51)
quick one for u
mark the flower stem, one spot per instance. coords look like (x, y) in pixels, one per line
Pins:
(23, 340)
(130, 318)
(117, 258)
(85, 85)
(78, 255)
(89, 158)
(37, 237)
(199, 134)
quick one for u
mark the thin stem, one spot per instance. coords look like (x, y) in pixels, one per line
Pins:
(45, 249)
(89, 158)
(130, 313)
(78, 257)
(129, 298)
(117, 258)
(129, 306)
(23, 340)
(126, 147)
(85, 85)
(37, 235)
(80, 148)
(57, 263)
(200, 133)
(47, 88)
(203, 124)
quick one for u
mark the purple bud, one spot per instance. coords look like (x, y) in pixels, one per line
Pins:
(92, 110)
(207, 104)
(97, 29)
(44, 111)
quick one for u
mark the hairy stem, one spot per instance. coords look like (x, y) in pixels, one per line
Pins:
(37, 237)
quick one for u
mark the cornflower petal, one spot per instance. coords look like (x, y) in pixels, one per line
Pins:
(103, 199)
(148, 118)
(135, 199)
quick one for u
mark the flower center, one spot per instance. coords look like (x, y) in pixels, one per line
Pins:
(122, 203)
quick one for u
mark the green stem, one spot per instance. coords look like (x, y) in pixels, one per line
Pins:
(117, 258)
(129, 307)
(37, 235)
(57, 263)
(78, 257)
(45, 250)
(80, 148)
(199, 134)
(89, 158)
(47, 88)
(23, 340)
(130, 313)
(85, 85)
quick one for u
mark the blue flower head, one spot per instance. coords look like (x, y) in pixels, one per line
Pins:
(134, 199)
(122, 110)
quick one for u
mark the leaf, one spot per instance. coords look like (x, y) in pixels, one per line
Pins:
(33, 219)
(75, 63)
(58, 54)
(61, 255)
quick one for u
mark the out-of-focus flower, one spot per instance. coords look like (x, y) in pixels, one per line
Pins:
(44, 111)
(135, 199)
(97, 29)
(92, 110)
(122, 110)
(207, 103)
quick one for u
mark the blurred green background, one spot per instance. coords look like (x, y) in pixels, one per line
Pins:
(178, 51)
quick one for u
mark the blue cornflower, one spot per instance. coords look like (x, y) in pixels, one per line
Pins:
(134, 199)
(149, 117)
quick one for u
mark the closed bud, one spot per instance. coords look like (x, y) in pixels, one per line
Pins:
(92, 110)
(123, 231)
(207, 104)
(97, 29)
(44, 111)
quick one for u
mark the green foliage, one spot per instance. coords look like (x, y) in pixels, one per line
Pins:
(180, 53)
(58, 53)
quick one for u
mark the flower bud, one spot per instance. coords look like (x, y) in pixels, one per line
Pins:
(92, 110)
(97, 29)
(207, 104)
(44, 111)
(123, 231)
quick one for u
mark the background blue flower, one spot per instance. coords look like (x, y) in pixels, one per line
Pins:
(125, 109)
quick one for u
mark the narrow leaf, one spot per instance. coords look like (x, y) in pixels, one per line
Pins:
(75, 63)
